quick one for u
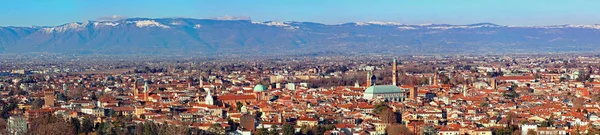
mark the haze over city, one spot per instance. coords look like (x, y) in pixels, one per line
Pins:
(290, 67)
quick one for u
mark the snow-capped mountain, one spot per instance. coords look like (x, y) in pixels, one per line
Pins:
(143, 35)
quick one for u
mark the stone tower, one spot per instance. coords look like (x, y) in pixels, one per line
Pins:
(135, 88)
(48, 98)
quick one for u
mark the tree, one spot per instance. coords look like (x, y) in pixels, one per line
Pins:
(3, 127)
(429, 130)
(511, 94)
(87, 126)
(593, 131)
(112, 113)
(319, 130)
(50, 125)
(513, 87)
(166, 129)
(139, 129)
(5, 112)
(379, 107)
(94, 97)
(76, 93)
(112, 131)
(304, 129)
(531, 132)
(397, 129)
(288, 129)
(238, 106)
(76, 125)
(103, 128)
(577, 131)
(37, 104)
(506, 130)
(150, 128)
(216, 129)
(329, 127)
(562, 79)
(388, 116)
(262, 131)
(274, 130)
(551, 120)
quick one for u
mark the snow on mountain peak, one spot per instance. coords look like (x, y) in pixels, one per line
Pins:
(176, 23)
(277, 24)
(274, 23)
(384, 23)
(425, 24)
(149, 23)
(591, 26)
(583, 26)
(407, 28)
(375, 23)
(446, 27)
(97, 24)
(69, 26)
(361, 24)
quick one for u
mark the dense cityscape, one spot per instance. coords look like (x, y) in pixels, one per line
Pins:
(352, 95)
(299, 67)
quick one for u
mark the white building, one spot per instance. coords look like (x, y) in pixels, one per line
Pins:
(526, 127)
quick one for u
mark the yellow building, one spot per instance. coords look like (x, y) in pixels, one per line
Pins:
(309, 122)
(380, 128)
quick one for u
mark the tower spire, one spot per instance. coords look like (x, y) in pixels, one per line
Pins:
(208, 99)
(201, 83)
(464, 90)
(435, 77)
(146, 90)
(135, 88)
(394, 72)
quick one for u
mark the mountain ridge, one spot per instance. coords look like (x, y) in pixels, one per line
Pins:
(191, 36)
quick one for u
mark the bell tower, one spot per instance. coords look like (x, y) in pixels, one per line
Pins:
(394, 72)
(209, 98)
(146, 90)
(135, 88)
(435, 77)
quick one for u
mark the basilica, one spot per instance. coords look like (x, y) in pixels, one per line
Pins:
(384, 92)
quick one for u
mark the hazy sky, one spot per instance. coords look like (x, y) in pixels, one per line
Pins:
(504, 12)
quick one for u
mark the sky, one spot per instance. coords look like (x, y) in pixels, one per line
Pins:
(503, 12)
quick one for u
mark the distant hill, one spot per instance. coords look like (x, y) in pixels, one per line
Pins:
(190, 36)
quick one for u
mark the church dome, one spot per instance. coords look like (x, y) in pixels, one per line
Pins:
(381, 89)
(259, 88)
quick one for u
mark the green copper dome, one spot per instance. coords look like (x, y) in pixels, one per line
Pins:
(259, 88)
(381, 89)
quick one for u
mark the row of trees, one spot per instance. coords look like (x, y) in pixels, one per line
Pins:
(52, 125)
